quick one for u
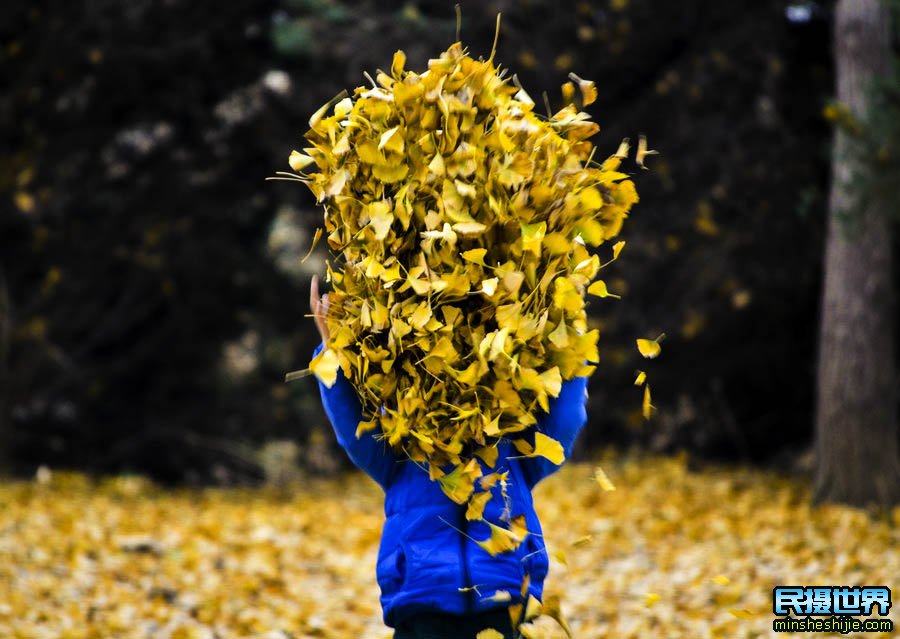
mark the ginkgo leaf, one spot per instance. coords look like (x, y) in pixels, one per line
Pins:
(489, 633)
(499, 596)
(581, 541)
(549, 448)
(642, 151)
(476, 504)
(325, 366)
(649, 348)
(459, 484)
(641, 378)
(598, 288)
(559, 336)
(390, 173)
(533, 608)
(398, 63)
(380, 217)
(299, 161)
(489, 286)
(588, 89)
(488, 454)
(489, 481)
(422, 176)
(741, 613)
(601, 478)
(316, 237)
(523, 447)
(474, 255)
(551, 608)
(551, 381)
(646, 406)
(392, 140)
(502, 539)
(469, 228)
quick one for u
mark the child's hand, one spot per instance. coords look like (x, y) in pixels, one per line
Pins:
(319, 307)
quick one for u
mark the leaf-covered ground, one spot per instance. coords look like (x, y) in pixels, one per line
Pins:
(669, 553)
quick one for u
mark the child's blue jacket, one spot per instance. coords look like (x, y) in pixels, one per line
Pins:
(425, 562)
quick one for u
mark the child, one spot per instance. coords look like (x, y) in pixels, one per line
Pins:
(436, 583)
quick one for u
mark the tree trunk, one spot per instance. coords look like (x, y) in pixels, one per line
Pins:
(857, 458)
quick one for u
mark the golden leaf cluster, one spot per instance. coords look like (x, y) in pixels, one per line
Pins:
(466, 229)
(671, 552)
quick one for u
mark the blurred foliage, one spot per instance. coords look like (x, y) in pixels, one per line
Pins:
(694, 551)
(152, 310)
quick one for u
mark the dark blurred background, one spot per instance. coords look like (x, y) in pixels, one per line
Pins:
(151, 294)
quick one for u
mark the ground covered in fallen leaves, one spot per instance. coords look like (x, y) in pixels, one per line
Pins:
(669, 553)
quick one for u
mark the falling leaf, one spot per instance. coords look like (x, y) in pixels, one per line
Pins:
(642, 151)
(650, 348)
(533, 608)
(501, 540)
(500, 596)
(476, 504)
(459, 484)
(561, 557)
(581, 541)
(646, 406)
(552, 608)
(601, 478)
(548, 448)
(598, 288)
(641, 378)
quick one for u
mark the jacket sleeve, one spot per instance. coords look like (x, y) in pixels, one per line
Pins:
(342, 406)
(565, 419)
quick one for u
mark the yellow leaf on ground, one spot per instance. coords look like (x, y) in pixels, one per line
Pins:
(741, 613)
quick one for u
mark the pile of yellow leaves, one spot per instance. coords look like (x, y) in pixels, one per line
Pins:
(463, 223)
(669, 553)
